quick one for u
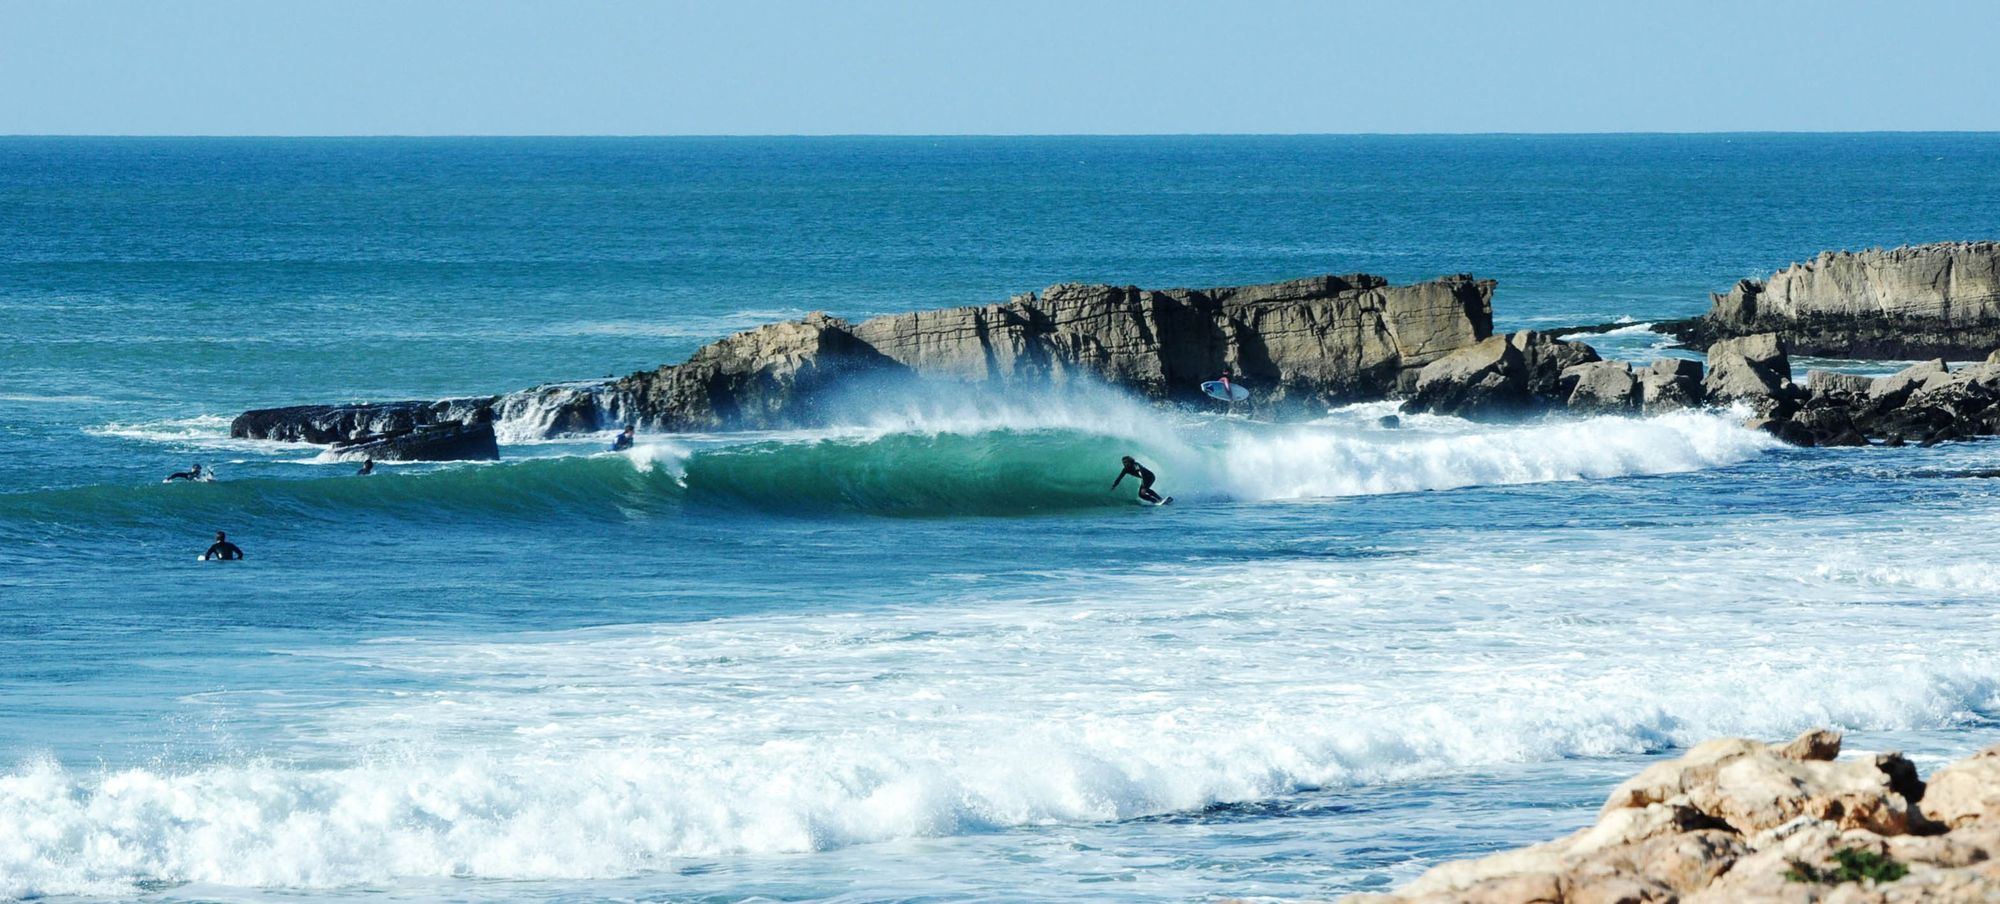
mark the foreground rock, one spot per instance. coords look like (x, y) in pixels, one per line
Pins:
(1304, 344)
(455, 441)
(1940, 300)
(1740, 821)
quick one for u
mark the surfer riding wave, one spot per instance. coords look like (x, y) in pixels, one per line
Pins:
(1134, 469)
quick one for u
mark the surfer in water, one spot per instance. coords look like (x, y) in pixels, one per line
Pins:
(223, 549)
(193, 473)
(1134, 469)
(624, 440)
(367, 467)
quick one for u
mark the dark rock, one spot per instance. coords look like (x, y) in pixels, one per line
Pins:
(1783, 428)
(456, 441)
(341, 423)
(1389, 422)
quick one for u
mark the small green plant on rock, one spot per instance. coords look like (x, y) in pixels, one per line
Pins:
(1850, 865)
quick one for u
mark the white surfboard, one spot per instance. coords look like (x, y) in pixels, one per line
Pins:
(1225, 392)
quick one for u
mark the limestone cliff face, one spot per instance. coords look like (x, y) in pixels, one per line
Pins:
(1319, 341)
(1323, 340)
(1940, 300)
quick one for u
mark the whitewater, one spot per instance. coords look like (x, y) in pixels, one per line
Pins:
(924, 652)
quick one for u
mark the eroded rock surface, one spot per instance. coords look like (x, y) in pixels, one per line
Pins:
(1736, 820)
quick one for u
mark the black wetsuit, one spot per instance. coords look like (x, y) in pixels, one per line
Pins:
(184, 475)
(367, 468)
(623, 442)
(1145, 476)
(223, 549)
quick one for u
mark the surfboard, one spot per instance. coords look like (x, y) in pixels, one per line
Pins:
(1225, 393)
(1159, 503)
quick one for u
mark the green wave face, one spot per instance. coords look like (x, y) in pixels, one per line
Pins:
(534, 488)
(999, 472)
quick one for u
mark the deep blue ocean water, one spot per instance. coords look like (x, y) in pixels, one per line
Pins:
(924, 655)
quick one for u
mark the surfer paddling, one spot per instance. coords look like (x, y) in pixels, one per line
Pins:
(1134, 469)
(222, 549)
(194, 473)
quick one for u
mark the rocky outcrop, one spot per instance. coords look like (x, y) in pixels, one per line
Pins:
(1741, 821)
(1601, 387)
(1671, 384)
(1304, 344)
(778, 375)
(343, 423)
(1940, 300)
(1501, 377)
(1755, 369)
(455, 441)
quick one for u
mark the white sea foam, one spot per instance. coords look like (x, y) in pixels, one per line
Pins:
(613, 751)
(1346, 453)
(201, 432)
(1323, 461)
(49, 399)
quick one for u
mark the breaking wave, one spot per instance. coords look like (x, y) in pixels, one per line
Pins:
(981, 460)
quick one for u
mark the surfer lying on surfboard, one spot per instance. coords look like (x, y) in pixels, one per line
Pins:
(194, 473)
(1134, 469)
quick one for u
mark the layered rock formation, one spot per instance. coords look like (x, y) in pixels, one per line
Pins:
(1305, 344)
(1740, 821)
(1925, 301)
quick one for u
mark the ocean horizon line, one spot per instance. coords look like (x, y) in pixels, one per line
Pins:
(644, 136)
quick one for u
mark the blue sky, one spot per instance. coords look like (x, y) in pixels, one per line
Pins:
(1022, 66)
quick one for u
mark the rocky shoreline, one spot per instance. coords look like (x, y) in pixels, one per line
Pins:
(1304, 345)
(1736, 820)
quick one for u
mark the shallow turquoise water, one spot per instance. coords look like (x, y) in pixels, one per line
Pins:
(924, 655)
